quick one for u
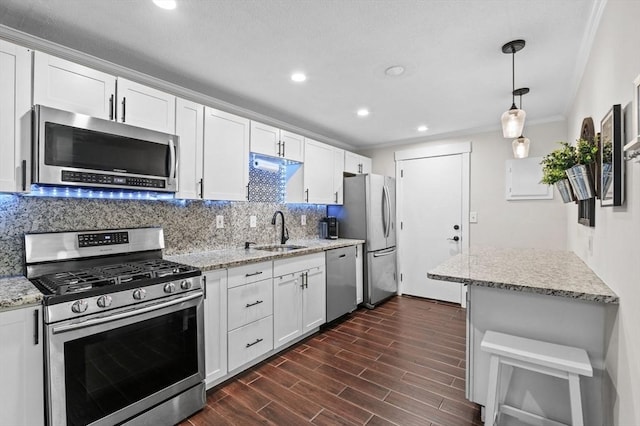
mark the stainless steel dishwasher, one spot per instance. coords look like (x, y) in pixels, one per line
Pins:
(341, 281)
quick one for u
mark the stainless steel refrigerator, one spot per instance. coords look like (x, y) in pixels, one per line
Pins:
(369, 213)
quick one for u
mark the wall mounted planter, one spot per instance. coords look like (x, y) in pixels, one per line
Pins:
(581, 180)
(564, 188)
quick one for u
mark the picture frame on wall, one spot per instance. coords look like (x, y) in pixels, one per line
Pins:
(611, 158)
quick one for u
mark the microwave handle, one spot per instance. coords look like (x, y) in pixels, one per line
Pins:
(172, 159)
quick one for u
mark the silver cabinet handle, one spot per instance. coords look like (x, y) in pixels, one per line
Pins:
(306, 195)
(254, 343)
(283, 148)
(257, 302)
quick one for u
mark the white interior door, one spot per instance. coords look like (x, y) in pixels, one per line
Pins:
(431, 206)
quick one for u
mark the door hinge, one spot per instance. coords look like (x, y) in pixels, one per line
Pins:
(401, 173)
(401, 276)
(401, 225)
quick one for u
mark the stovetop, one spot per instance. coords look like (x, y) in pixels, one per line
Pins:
(104, 276)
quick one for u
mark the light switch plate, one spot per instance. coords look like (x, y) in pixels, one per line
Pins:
(303, 220)
(219, 221)
(473, 217)
(252, 222)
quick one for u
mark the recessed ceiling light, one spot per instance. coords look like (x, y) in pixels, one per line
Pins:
(166, 4)
(422, 128)
(298, 77)
(394, 71)
(363, 112)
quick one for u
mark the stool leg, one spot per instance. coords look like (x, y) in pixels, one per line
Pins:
(576, 400)
(492, 391)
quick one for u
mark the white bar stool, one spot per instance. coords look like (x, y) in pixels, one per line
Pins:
(565, 362)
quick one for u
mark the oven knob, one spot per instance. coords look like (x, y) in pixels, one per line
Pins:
(139, 294)
(185, 285)
(79, 306)
(104, 301)
(169, 288)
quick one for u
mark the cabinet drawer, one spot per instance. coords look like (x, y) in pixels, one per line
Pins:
(298, 263)
(249, 302)
(249, 342)
(250, 273)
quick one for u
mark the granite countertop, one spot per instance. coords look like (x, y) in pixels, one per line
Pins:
(541, 271)
(228, 258)
(18, 292)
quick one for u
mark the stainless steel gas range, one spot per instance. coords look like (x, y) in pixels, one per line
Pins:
(123, 328)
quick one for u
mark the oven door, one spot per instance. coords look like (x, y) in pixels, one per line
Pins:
(106, 369)
(75, 149)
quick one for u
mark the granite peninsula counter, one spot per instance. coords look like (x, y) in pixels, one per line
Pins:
(541, 294)
(540, 271)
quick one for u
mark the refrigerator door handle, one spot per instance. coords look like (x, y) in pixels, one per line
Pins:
(382, 253)
(386, 215)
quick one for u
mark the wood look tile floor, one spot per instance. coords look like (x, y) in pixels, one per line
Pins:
(402, 363)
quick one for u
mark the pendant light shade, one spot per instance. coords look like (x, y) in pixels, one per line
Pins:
(513, 118)
(520, 147)
(513, 122)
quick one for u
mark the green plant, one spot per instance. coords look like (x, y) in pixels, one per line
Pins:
(555, 163)
(586, 151)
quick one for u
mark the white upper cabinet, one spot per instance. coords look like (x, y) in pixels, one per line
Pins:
(225, 156)
(323, 167)
(65, 85)
(146, 107)
(190, 129)
(273, 142)
(61, 84)
(15, 117)
(356, 164)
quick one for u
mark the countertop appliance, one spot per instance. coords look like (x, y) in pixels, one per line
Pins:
(79, 150)
(123, 328)
(329, 228)
(341, 281)
(368, 213)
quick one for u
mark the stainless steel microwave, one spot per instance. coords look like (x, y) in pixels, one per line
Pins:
(79, 150)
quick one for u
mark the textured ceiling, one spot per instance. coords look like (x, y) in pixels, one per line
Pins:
(243, 51)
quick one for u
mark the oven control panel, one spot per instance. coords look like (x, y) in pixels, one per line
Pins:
(95, 239)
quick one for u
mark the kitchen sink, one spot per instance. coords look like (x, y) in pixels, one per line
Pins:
(281, 248)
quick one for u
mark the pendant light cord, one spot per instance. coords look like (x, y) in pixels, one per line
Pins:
(513, 77)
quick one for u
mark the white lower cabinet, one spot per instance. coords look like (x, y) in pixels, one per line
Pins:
(21, 375)
(299, 297)
(215, 326)
(250, 341)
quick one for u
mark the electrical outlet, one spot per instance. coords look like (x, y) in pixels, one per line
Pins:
(303, 220)
(219, 221)
(473, 217)
(252, 222)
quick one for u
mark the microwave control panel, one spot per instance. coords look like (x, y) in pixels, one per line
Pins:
(115, 180)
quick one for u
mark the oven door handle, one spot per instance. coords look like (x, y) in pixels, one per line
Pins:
(127, 314)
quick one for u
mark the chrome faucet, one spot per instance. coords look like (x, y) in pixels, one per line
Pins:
(284, 232)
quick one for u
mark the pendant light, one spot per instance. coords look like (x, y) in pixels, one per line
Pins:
(513, 119)
(520, 144)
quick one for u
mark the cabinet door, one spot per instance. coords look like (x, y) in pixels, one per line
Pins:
(359, 274)
(15, 117)
(61, 84)
(21, 375)
(292, 146)
(318, 172)
(356, 164)
(215, 326)
(226, 156)
(190, 129)
(287, 313)
(314, 299)
(338, 172)
(265, 139)
(146, 107)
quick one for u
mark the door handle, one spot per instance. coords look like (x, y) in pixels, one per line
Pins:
(173, 160)
(111, 113)
(384, 253)
(279, 149)
(124, 106)
(456, 238)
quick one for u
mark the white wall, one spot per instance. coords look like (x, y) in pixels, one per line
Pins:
(613, 64)
(501, 223)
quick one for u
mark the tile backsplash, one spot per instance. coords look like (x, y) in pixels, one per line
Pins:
(188, 225)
